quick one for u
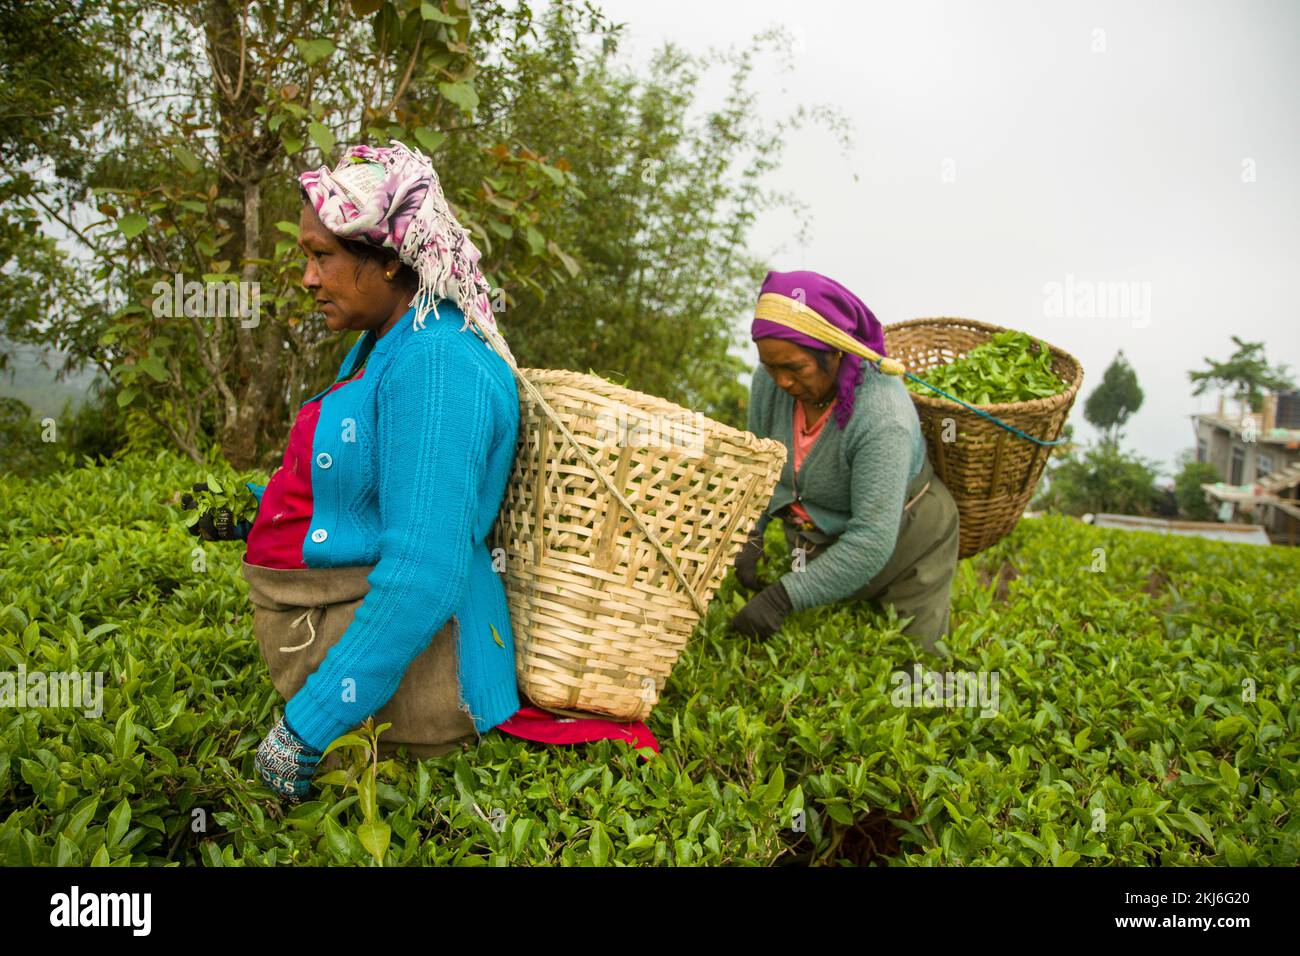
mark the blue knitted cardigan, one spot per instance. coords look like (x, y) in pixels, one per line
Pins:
(409, 469)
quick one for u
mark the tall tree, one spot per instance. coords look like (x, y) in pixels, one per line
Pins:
(1114, 401)
(612, 218)
(1246, 375)
(1101, 478)
(214, 108)
(662, 226)
(54, 85)
(1187, 486)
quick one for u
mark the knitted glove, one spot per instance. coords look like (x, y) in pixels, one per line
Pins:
(747, 562)
(218, 525)
(285, 763)
(763, 615)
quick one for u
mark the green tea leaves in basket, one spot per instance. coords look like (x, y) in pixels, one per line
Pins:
(1010, 367)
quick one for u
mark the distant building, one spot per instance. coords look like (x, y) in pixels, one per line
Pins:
(1257, 456)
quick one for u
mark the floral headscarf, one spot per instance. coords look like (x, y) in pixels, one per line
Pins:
(390, 197)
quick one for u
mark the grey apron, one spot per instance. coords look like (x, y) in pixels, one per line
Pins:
(917, 578)
(300, 613)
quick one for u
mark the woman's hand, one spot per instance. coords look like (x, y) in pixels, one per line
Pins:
(285, 763)
(764, 614)
(214, 524)
(747, 562)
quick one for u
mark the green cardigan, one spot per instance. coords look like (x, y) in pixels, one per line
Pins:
(852, 483)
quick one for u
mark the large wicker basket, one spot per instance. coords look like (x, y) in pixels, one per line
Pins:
(614, 551)
(991, 472)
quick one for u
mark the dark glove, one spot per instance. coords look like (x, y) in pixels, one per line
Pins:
(763, 615)
(218, 525)
(286, 763)
(747, 561)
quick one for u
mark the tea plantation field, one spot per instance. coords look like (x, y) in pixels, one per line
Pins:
(1146, 713)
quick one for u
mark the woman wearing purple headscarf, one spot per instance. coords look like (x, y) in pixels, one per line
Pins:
(863, 512)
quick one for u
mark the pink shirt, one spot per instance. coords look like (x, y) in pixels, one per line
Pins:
(802, 445)
(284, 515)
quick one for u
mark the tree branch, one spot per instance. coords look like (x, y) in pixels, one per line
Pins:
(66, 224)
(406, 77)
(243, 32)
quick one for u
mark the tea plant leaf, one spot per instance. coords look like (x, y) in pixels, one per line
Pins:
(598, 844)
(374, 836)
(119, 821)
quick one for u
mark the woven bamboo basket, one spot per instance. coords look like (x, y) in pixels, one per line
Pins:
(622, 515)
(990, 472)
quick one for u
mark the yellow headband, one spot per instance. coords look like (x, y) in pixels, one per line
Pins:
(786, 311)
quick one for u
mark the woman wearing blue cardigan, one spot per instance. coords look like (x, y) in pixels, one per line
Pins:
(392, 480)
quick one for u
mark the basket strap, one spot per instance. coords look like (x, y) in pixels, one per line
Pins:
(536, 395)
(996, 421)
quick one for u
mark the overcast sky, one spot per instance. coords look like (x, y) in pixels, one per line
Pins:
(1004, 146)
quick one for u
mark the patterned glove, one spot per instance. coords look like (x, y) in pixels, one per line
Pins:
(747, 562)
(763, 615)
(285, 763)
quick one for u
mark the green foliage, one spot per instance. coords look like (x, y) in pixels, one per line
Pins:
(1246, 374)
(1121, 690)
(1010, 367)
(53, 89)
(47, 46)
(1114, 401)
(1101, 478)
(30, 446)
(190, 179)
(362, 776)
(1187, 488)
(22, 452)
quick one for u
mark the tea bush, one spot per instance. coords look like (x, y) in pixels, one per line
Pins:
(1146, 714)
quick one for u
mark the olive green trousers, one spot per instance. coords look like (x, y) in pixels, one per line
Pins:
(917, 578)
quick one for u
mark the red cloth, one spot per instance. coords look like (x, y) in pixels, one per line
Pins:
(533, 723)
(284, 514)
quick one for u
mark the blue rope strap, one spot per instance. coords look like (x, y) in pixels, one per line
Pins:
(983, 414)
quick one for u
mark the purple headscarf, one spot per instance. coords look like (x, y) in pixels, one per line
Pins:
(838, 306)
